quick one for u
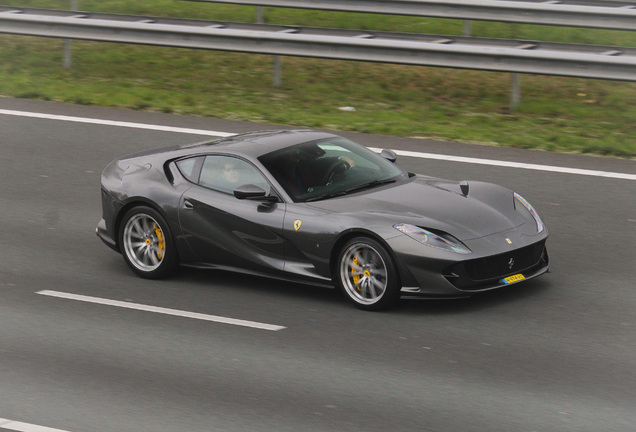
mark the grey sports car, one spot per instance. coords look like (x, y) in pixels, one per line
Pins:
(317, 208)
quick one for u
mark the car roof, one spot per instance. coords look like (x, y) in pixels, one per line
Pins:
(259, 143)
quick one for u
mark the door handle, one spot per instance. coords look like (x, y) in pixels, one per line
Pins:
(187, 204)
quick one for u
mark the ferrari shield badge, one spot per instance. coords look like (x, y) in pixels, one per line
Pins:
(297, 224)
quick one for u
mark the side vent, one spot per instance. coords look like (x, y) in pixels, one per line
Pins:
(168, 172)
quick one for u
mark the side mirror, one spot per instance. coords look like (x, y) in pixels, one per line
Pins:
(252, 192)
(389, 155)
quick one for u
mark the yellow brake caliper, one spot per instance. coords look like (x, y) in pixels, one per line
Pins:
(354, 274)
(161, 244)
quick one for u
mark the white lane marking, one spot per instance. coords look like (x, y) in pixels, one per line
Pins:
(25, 427)
(165, 311)
(521, 165)
(115, 123)
(536, 167)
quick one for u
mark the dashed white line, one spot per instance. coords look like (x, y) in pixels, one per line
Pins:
(25, 427)
(535, 167)
(161, 310)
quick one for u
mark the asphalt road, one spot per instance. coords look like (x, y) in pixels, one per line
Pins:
(554, 354)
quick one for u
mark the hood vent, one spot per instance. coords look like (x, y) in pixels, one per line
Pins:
(464, 187)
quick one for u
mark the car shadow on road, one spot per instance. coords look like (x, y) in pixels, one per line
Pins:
(245, 287)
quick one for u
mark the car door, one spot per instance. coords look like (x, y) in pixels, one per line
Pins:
(225, 231)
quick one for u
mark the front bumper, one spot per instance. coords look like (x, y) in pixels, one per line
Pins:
(491, 272)
(442, 274)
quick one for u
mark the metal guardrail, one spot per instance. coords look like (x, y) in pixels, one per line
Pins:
(583, 61)
(614, 15)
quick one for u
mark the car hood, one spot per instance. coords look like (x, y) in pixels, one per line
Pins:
(434, 204)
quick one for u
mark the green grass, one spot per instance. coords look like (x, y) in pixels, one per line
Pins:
(556, 114)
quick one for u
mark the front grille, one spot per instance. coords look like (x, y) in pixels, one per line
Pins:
(498, 266)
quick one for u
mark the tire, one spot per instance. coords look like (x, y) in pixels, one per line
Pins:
(366, 274)
(146, 243)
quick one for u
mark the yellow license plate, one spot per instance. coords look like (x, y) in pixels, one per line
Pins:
(514, 278)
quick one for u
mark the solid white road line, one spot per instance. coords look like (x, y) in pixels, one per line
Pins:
(115, 123)
(25, 427)
(535, 167)
(161, 310)
(521, 165)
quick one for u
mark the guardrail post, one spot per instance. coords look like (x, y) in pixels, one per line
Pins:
(515, 92)
(278, 70)
(68, 42)
(277, 63)
(468, 28)
(260, 15)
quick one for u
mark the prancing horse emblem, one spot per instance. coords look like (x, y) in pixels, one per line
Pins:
(511, 263)
(297, 224)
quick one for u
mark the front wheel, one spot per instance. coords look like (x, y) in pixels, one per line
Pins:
(146, 243)
(367, 275)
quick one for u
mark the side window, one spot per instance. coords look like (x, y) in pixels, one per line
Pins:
(226, 173)
(190, 168)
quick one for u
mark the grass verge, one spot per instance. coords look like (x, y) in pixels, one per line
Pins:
(556, 114)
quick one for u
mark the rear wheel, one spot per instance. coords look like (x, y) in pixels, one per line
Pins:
(367, 275)
(146, 243)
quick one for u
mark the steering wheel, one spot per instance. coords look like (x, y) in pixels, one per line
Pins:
(337, 167)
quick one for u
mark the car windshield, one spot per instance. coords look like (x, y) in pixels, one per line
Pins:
(328, 168)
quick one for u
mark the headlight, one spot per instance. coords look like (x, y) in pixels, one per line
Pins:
(431, 239)
(532, 211)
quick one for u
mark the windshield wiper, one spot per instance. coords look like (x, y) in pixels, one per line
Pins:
(369, 185)
(325, 196)
(358, 188)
